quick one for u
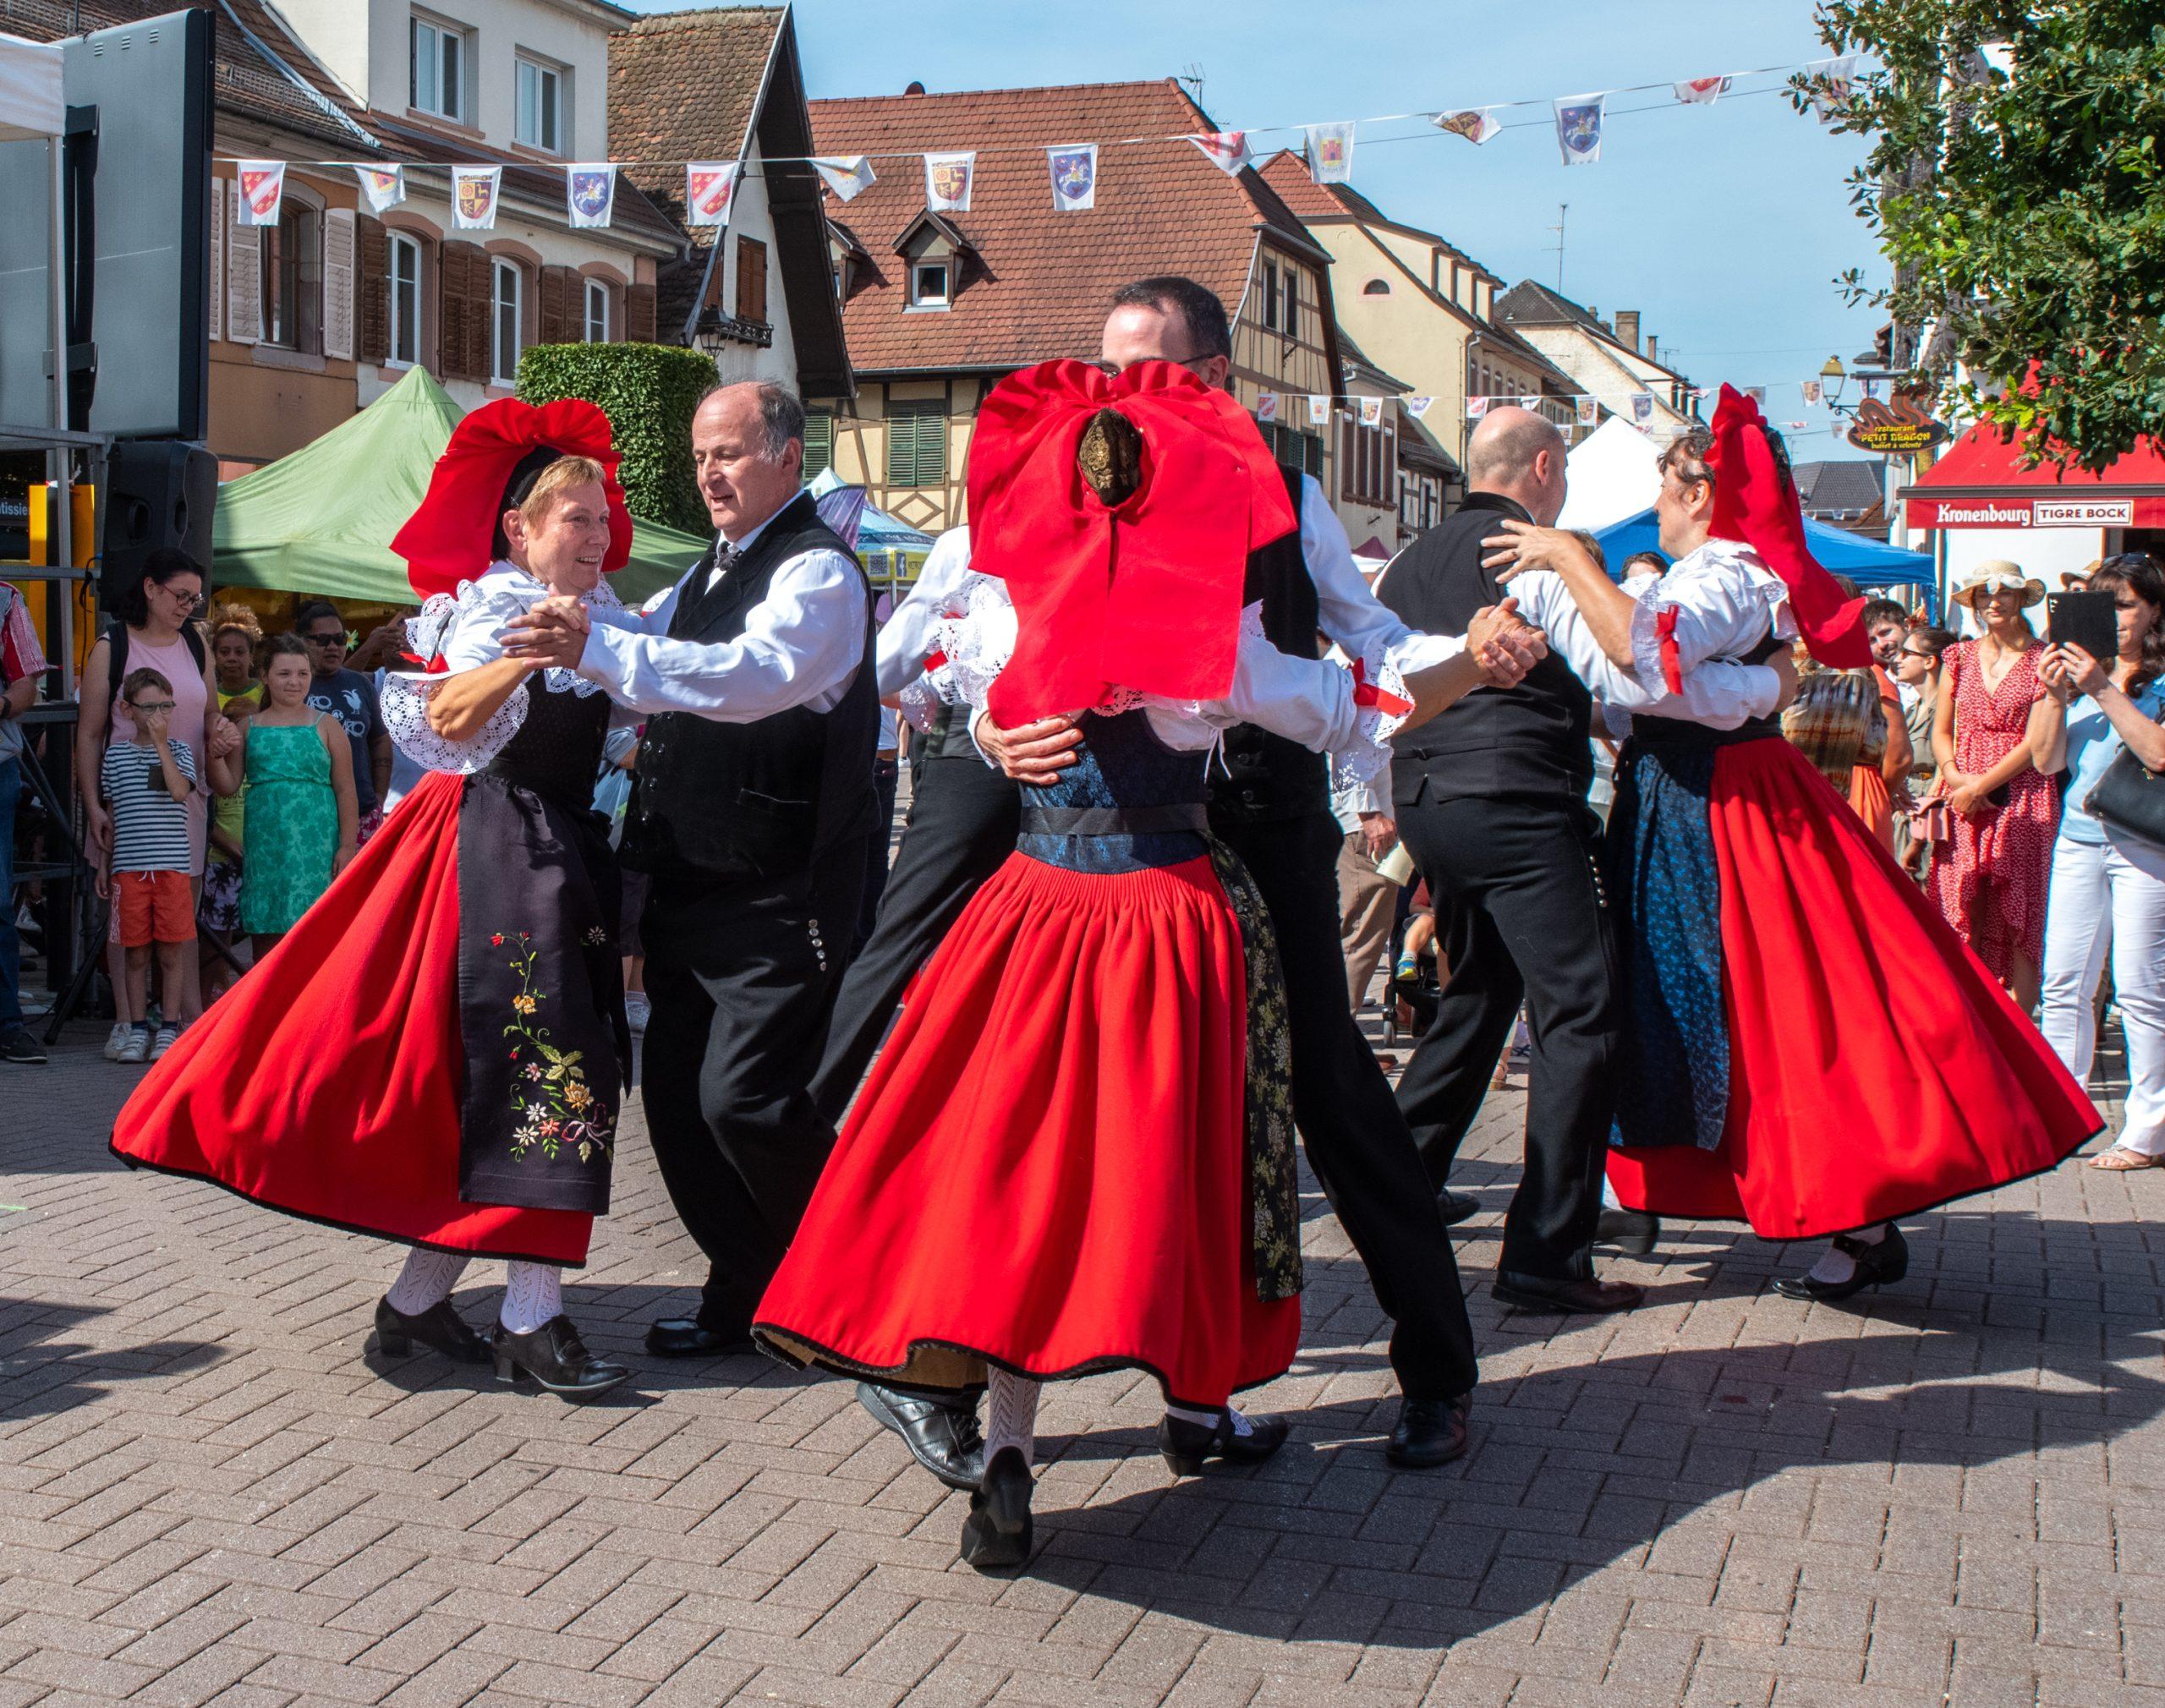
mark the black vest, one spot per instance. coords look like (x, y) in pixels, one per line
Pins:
(1268, 778)
(1529, 740)
(729, 801)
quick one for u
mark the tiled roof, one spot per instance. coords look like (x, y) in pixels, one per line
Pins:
(1846, 486)
(1041, 281)
(1530, 303)
(684, 85)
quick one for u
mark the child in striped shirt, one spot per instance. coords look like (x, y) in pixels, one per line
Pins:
(146, 783)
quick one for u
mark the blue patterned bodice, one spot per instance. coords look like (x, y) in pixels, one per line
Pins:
(1121, 765)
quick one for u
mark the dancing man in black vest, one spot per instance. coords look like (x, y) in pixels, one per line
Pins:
(1491, 797)
(1274, 811)
(753, 805)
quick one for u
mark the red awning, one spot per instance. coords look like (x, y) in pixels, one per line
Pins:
(1981, 483)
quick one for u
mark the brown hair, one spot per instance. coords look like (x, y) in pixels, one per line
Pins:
(137, 680)
(1687, 456)
(2138, 573)
(235, 617)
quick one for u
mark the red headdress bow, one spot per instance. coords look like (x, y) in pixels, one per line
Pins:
(1756, 502)
(450, 538)
(1146, 594)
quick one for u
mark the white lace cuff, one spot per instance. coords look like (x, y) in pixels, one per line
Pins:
(405, 700)
(1646, 640)
(920, 700)
(1367, 757)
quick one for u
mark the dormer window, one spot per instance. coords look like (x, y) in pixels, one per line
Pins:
(929, 284)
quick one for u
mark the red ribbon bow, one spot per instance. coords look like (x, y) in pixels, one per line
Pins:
(1366, 694)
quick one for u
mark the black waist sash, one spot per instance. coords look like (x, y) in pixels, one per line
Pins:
(1116, 821)
(1680, 733)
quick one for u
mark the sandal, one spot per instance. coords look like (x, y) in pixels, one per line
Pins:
(2118, 1159)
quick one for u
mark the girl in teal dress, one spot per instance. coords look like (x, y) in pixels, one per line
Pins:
(303, 815)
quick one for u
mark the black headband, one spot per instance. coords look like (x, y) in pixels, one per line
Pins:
(517, 489)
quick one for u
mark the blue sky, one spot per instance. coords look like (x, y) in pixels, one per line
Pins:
(1724, 227)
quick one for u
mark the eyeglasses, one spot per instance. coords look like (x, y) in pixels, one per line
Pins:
(153, 705)
(1918, 653)
(189, 603)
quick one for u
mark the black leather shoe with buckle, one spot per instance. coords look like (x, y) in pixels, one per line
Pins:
(941, 1434)
(1187, 1445)
(555, 1357)
(439, 1328)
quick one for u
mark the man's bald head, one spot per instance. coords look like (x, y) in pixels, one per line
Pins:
(1520, 455)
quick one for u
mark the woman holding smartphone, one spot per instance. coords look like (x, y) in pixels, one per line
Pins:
(2108, 887)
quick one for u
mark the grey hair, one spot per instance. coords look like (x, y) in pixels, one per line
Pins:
(781, 413)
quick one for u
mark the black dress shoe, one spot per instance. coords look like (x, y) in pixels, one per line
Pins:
(555, 1357)
(1456, 1207)
(1887, 1260)
(439, 1328)
(1187, 1445)
(685, 1337)
(1429, 1432)
(942, 1435)
(1633, 1231)
(1545, 1293)
(996, 1535)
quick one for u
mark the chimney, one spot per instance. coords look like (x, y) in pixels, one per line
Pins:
(1627, 328)
(1650, 347)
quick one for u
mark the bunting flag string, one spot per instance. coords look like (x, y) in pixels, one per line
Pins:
(848, 175)
(474, 190)
(1585, 406)
(262, 189)
(383, 188)
(590, 193)
(1074, 177)
(709, 185)
(1578, 126)
(1476, 124)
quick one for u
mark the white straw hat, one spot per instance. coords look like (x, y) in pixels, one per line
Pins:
(1995, 574)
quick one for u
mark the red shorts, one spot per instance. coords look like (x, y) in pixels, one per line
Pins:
(154, 907)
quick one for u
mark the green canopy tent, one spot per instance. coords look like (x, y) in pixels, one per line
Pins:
(321, 521)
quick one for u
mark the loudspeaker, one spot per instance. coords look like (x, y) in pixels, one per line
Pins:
(157, 492)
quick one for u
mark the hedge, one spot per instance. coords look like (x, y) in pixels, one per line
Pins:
(648, 392)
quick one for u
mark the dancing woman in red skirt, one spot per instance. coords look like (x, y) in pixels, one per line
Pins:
(1810, 1049)
(436, 1053)
(1075, 1153)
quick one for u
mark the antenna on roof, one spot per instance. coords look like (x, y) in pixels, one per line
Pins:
(1562, 209)
(1191, 78)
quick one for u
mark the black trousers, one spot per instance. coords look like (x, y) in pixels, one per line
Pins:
(1520, 879)
(1356, 1141)
(964, 816)
(886, 778)
(742, 977)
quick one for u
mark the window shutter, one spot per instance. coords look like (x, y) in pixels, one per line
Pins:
(751, 279)
(481, 315)
(556, 286)
(457, 267)
(917, 442)
(218, 259)
(818, 441)
(373, 267)
(243, 276)
(639, 313)
(338, 284)
(1292, 302)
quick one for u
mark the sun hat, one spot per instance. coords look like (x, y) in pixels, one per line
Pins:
(1995, 574)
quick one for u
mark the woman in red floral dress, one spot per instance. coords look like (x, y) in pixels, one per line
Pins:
(1989, 876)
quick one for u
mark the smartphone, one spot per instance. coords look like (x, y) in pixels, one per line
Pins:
(2089, 621)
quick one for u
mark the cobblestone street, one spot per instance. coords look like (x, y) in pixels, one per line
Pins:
(1952, 1495)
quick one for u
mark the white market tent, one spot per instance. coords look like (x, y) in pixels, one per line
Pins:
(1611, 475)
(32, 103)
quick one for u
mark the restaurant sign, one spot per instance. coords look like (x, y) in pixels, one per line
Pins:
(1900, 429)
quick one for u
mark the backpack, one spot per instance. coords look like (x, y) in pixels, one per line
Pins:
(116, 637)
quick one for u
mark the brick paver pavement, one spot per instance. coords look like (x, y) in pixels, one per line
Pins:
(1955, 1494)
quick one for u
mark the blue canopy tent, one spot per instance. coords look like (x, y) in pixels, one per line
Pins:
(1867, 562)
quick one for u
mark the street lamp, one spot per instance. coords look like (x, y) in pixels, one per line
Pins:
(1832, 378)
(706, 330)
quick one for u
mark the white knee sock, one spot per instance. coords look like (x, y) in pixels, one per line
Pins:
(426, 1280)
(533, 1295)
(1209, 1420)
(1010, 1415)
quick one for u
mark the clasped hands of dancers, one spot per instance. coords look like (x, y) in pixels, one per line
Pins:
(1075, 1152)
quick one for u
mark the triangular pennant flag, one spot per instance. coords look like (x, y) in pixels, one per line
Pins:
(1643, 407)
(947, 181)
(1330, 152)
(1319, 409)
(849, 176)
(262, 189)
(1476, 124)
(1578, 127)
(1266, 407)
(590, 193)
(1701, 91)
(1476, 407)
(1827, 83)
(1372, 412)
(1417, 407)
(382, 187)
(474, 196)
(1811, 389)
(710, 186)
(1226, 150)
(1074, 177)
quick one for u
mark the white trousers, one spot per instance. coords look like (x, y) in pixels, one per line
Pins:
(2110, 896)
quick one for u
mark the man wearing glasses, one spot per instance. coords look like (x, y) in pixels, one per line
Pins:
(350, 696)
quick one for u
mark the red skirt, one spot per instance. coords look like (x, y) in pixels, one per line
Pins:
(1876, 1069)
(1046, 1170)
(327, 1083)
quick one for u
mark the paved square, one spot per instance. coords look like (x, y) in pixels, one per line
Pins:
(1954, 1495)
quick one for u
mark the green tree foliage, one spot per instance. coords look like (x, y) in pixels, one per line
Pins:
(648, 392)
(2016, 185)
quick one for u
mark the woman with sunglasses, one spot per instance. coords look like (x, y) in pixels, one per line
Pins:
(154, 629)
(2108, 887)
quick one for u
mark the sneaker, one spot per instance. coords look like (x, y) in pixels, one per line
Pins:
(169, 1035)
(116, 1040)
(21, 1049)
(138, 1046)
(637, 1011)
